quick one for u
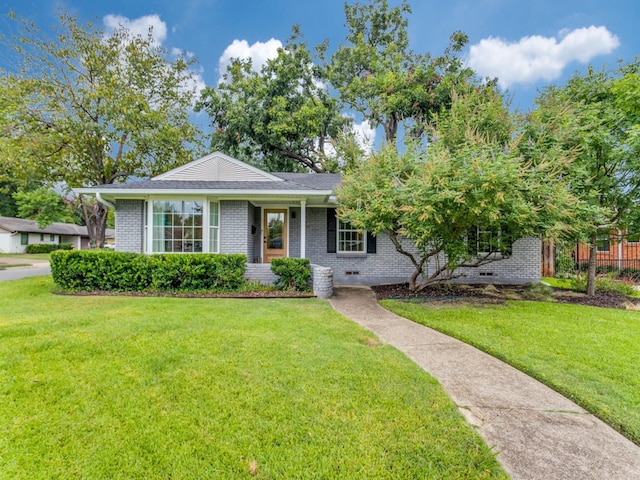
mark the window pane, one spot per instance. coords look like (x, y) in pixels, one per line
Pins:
(177, 226)
(349, 238)
(214, 218)
(603, 244)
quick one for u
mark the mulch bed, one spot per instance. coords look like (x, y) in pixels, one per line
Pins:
(256, 294)
(495, 294)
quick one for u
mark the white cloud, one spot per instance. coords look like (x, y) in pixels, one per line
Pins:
(137, 26)
(365, 135)
(176, 52)
(140, 26)
(536, 57)
(259, 53)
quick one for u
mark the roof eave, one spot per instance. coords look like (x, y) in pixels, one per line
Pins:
(133, 192)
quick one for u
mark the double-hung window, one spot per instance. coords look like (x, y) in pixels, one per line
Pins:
(482, 242)
(350, 239)
(214, 227)
(603, 243)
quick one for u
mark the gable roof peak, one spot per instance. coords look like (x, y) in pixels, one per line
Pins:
(218, 167)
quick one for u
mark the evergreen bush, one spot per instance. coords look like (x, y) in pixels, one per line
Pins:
(106, 270)
(293, 273)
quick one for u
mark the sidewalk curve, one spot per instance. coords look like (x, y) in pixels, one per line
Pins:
(537, 433)
(35, 268)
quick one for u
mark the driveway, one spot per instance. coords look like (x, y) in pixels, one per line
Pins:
(35, 269)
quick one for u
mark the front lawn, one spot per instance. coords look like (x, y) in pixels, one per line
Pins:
(129, 387)
(26, 256)
(591, 355)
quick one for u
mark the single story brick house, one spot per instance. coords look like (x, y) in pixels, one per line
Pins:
(218, 204)
(17, 233)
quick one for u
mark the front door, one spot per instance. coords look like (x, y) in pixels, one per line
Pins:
(275, 234)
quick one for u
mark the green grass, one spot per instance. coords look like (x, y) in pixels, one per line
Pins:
(565, 283)
(13, 265)
(26, 256)
(129, 387)
(602, 285)
(591, 355)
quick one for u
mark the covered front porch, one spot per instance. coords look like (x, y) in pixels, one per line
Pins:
(275, 229)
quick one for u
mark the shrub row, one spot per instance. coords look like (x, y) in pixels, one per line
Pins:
(106, 270)
(293, 273)
(625, 273)
(47, 247)
(604, 284)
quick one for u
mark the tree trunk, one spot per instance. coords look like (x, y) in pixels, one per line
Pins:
(591, 271)
(95, 218)
(391, 128)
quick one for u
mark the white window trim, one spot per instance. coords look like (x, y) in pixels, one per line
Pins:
(493, 254)
(148, 222)
(350, 252)
(207, 234)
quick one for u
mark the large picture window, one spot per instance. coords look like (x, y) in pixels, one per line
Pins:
(177, 226)
(350, 240)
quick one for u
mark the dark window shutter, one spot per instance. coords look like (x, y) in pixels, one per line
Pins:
(371, 243)
(331, 230)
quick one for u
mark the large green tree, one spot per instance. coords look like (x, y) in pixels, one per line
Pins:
(45, 206)
(462, 200)
(380, 77)
(280, 118)
(90, 109)
(596, 115)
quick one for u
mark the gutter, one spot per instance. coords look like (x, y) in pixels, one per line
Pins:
(104, 202)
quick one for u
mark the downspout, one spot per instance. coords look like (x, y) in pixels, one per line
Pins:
(104, 202)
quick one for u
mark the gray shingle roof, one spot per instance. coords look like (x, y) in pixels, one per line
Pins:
(12, 224)
(292, 181)
(319, 181)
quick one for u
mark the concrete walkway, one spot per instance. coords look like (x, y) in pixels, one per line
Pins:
(537, 433)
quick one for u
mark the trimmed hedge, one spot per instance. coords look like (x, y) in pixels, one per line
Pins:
(107, 270)
(47, 247)
(197, 272)
(293, 273)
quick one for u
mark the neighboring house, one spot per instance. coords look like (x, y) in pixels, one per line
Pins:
(617, 250)
(218, 204)
(17, 233)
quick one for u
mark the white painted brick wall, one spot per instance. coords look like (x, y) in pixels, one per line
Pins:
(129, 225)
(388, 266)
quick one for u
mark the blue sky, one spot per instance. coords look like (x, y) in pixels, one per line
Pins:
(528, 44)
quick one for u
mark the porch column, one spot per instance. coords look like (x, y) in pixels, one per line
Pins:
(303, 228)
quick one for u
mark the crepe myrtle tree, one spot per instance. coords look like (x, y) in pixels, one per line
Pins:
(90, 109)
(471, 176)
